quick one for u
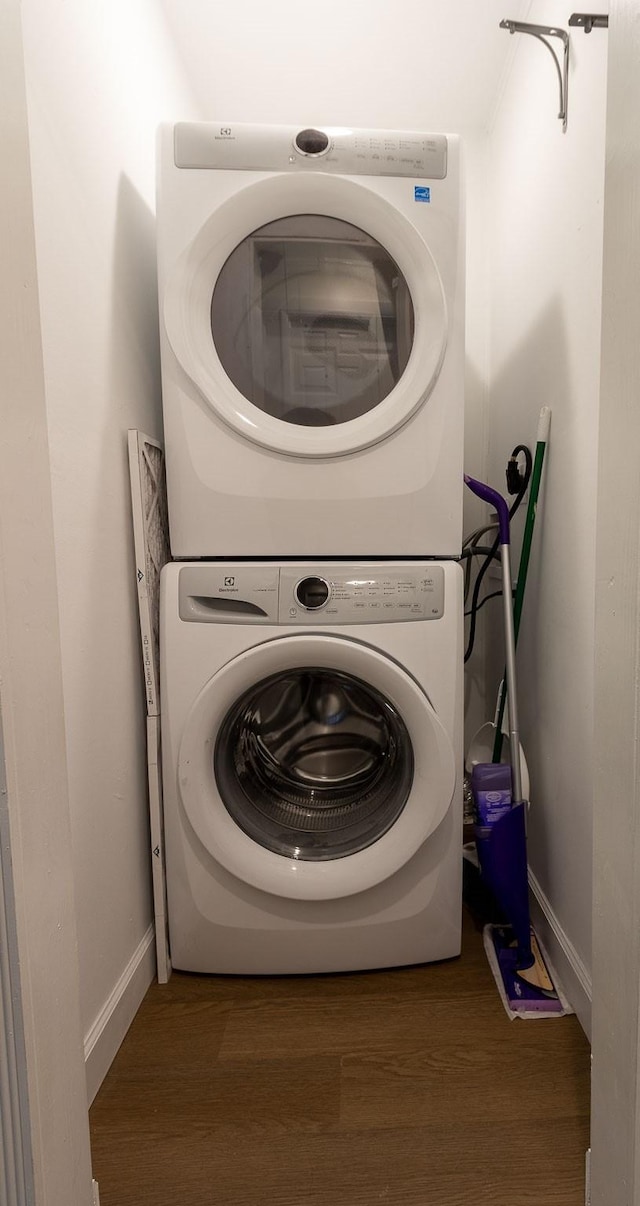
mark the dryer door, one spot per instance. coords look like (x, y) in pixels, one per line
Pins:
(310, 315)
(314, 767)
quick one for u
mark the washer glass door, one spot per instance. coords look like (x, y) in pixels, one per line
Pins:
(313, 766)
(312, 320)
(313, 763)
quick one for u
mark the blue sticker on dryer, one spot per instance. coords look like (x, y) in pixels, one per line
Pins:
(421, 193)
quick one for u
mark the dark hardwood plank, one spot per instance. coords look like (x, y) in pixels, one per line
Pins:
(274, 1094)
(489, 1080)
(527, 1162)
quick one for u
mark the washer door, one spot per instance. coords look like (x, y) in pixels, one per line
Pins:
(309, 314)
(314, 767)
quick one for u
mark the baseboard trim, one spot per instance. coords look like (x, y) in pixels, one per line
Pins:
(115, 1017)
(574, 977)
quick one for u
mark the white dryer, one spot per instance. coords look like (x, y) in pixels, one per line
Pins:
(312, 759)
(311, 287)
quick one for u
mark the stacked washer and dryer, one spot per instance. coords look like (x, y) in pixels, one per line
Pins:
(312, 337)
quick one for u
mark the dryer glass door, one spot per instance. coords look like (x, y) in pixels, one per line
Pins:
(312, 320)
(313, 763)
(310, 313)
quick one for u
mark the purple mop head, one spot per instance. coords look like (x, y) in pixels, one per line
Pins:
(527, 990)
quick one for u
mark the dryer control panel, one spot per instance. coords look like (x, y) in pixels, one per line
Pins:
(312, 594)
(352, 152)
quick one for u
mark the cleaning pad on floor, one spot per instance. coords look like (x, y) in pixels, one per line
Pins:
(518, 998)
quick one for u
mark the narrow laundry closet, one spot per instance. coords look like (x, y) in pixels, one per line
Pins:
(388, 1066)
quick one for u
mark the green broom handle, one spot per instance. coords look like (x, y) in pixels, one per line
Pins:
(527, 539)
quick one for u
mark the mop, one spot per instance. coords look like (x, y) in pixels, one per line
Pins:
(515, 957)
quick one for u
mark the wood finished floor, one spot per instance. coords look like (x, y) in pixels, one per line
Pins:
(408, 1087)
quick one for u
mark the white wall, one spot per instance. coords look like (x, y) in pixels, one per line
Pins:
(37, 872)
(615, 1104)
(100, 77)
(545, 265)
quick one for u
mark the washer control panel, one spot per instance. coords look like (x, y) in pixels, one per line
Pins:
(362, 594)
(311, 594)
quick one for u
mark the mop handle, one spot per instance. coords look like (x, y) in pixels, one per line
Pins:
(542, 439)
(491, 496)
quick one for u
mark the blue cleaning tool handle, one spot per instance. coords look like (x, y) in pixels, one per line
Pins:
(488, 495)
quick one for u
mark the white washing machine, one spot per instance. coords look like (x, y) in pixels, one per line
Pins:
(311, 288)
(312, 758)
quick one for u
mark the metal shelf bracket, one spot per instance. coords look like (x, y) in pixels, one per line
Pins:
(589, 21)
(542, 32)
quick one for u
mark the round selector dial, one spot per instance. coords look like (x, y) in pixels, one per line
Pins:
(311, 142)
(312, 593)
